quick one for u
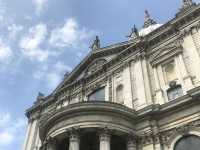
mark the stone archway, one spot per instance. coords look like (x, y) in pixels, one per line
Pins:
(188, 142)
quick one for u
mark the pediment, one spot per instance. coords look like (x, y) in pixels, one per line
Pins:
(92, 63)
(92, 67)
(165, 52)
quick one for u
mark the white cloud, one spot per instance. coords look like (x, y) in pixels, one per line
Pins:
(2, 11)
(31, 43)
(10, 128)
(14, 29)
(70, 35)
(6, 138)
(4, 119)
(40, 5)
(55, 76)
(52, 74)
(5, 52)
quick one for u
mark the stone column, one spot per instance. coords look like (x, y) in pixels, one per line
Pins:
(104, 139)
(51, 144)
(74, 141)
(131, 144)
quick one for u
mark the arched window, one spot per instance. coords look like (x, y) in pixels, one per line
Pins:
(119, 94)
(189, 142)
(97, 95)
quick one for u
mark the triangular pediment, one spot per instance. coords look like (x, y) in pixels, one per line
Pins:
(92, 62)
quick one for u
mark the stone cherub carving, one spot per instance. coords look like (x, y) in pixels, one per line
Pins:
(96, 44)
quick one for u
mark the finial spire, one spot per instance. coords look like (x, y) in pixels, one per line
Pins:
(148, 20)
(96, 44)
(147, 15)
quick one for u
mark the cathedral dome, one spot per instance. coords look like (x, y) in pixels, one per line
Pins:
(149, 29)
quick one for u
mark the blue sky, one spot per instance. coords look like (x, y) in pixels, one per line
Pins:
(40, 40)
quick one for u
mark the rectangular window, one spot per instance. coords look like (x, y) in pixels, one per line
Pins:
(98, 95)
(174, 93)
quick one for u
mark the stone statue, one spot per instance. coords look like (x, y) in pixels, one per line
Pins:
(148, 21)
(187, 3)
(134, 33)
(40, 96)
(96, 44)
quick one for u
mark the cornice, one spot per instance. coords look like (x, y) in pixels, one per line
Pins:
(152, 112)
(171, 28)
(168, 29)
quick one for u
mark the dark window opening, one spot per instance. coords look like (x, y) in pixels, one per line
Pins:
(174, 92)
(98, 95)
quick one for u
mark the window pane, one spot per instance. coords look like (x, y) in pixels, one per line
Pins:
(188, 143)
(174, 93)
(98, 95)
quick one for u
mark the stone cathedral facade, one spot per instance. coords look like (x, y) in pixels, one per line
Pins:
(142, 94)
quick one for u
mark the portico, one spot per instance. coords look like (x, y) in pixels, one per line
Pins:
(95, 139)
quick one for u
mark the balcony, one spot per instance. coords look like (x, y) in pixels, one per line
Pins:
(87, 115)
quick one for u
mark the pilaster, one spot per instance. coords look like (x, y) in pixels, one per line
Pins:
(140, 85)
(158, 90)
(127, 85)
(146, 80)
(191, 49)
(185, 76)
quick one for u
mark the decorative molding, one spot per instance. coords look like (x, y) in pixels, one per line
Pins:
(168, 136)
(165, 52)
(104, 134)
